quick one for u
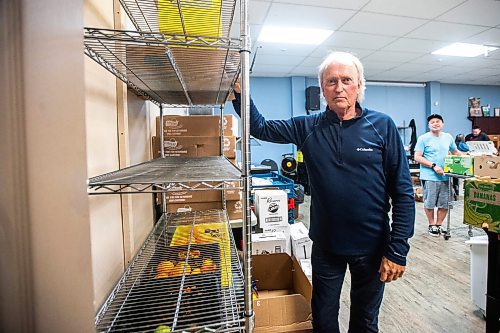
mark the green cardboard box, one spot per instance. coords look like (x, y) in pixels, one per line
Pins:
(461, 165)
(482, 203)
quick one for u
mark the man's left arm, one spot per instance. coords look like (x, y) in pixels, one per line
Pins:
(400, 189)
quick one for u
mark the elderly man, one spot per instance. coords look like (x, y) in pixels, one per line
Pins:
(357, 169)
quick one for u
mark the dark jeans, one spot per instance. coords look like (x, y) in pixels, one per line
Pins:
(366, 291)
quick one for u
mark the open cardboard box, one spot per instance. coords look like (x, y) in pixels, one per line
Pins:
(285, 292)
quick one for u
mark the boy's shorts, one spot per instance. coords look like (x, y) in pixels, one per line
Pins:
(436, 194)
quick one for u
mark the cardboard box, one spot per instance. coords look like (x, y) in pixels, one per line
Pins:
(482, 203)
(306, 266)
(197, 125)
(234, 209)
(461, 165)
(268, 243)
(301, 243)
(271, 207)
(188, 196)
(192, 206)
(285, 229)
(284, 294)
(487, 166)
(194, 146)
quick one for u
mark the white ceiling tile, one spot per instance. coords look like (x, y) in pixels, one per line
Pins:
(452, 32)
(415, 45)
(488, 71)
(480, 12)
(380, 24)
(393, 75)
(257, 11)
(311, 61)
(309, 71)
(351, 4)
(377, 66)
(411, 8)
(285, 49)
(273, 68)
(436, 59)
(267, 59)
(391, 56)
(456, 70)
(306, 16)
(323, 51)
(356, 40)
(488, 37)
(417, 68)
(424, 77)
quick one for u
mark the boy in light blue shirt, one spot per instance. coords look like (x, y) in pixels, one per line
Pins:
(430, 151)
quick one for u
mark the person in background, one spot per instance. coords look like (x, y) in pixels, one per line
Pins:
(430, 151)
(357, 169)
(477, 135)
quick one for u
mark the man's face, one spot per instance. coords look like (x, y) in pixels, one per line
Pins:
(340, 84)
(476, 131)
(435, 124)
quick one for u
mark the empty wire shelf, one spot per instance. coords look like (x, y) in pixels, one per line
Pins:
(175, 70)
(169, 174)
(187, 277)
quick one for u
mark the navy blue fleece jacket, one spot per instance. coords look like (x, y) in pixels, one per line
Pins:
(357, 169)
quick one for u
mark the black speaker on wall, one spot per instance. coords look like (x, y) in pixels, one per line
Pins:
(312, 98)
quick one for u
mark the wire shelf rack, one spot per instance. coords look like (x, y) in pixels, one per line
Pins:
(169, 174)
(187, 276)
(175, 70)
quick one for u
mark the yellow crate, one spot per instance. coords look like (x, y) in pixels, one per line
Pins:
(200, 17)
(207, 233)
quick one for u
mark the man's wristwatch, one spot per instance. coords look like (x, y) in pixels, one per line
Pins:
(433, 166)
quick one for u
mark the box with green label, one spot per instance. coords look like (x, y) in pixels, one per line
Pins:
(482, 203)
(461, 165)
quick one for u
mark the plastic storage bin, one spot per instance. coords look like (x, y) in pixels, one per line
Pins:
(478, 269)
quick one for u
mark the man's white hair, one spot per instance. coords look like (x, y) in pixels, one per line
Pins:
(344, 58)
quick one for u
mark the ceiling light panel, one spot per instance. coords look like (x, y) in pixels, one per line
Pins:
(293, 35)
(464, 50)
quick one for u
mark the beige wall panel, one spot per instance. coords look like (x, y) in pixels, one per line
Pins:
(105, 210)
(53, 84)
(98, 14)
(139, 144)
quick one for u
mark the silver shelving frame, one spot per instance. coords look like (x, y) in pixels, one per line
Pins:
(143, 299)
(169, 174)
(172, 70)
(181, 55)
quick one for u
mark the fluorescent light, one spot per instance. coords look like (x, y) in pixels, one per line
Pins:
(291, 35)
(464, 50)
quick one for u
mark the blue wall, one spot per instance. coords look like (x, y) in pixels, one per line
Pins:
(282, 98)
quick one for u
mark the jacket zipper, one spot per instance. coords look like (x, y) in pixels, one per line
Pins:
(340, 144)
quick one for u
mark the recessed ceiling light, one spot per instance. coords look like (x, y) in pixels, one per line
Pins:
(289, 35)
(465, 50)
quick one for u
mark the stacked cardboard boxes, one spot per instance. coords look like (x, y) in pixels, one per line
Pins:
(199, 136)
(196, 136)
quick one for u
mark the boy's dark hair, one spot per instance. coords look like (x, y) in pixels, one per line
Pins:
(435, 115)
(475, 127)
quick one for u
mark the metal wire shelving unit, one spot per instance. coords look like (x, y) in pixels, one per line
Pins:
(197, 297)
(169, 174)
(181, 55)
